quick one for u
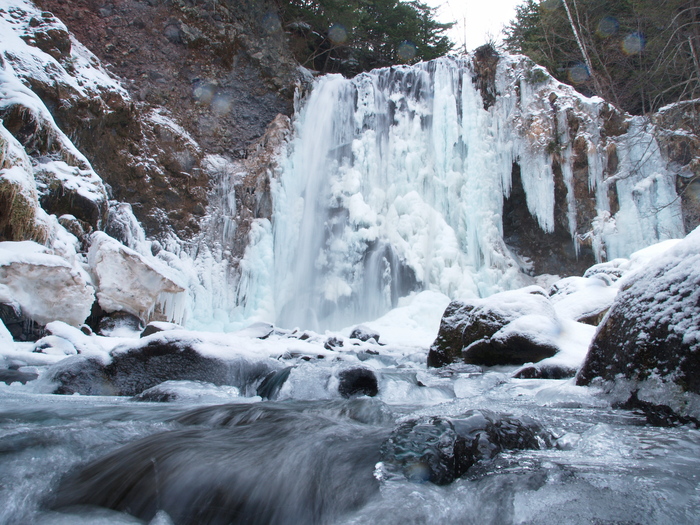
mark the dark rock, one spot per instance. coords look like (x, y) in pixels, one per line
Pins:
(447, 348)
(118, 320)
(59, 198)
(357, 382)
(271, 385)
(658, 415)
(513, 349)
(545, 372)
(332, 343)
(157, 361)
(440, 450)
(20, 327)
(364, 333)
(480, 333)
(159, 326)
(651, 331)
(12, 375)
(81, 375)
(235, 464)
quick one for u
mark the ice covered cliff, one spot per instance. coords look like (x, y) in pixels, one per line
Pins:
(463, 175)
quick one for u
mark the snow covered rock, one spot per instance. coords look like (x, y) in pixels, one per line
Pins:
(440, 450)
(514, 327)
(650, 340)
(364, 333)
(447, 348)
(128, 281)
(46, 287)
(583, 299)
(136, 366)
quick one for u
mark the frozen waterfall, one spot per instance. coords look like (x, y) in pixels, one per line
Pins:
(395, 181)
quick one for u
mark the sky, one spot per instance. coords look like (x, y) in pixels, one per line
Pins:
(477, 20)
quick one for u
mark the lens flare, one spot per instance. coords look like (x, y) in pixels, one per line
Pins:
(550, 5)
(579, 73)
(271, 24)
(222, 104)
(337, 34)
(204, 93)
(634, 43)
(608, 26)
(406, 51)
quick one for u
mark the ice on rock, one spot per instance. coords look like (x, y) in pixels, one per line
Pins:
(45, 286)
(395, 181)
(130, 282)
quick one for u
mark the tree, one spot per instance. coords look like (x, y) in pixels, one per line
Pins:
(351, 36)
(639, 54)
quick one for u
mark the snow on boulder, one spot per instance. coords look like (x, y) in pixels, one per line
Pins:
(583, 299)
(508, 328)
(130, 282)
(649, 342)
(46, 287)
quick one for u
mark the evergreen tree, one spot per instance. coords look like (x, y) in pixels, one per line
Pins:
(350, 36)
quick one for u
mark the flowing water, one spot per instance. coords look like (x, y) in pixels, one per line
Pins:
(79, 459)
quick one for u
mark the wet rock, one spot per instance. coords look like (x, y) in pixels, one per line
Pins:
(81, 375)
(545, 372)
(440, 450)
(273, 382)
(13, 375)
(170, 391)
(650, 339)
(658, 415)
(20, 327)
(364, 333)
(357, 382)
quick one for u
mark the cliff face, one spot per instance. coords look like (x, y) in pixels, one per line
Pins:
(221, 70)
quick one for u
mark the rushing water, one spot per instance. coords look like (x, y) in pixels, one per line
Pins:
(115, 460)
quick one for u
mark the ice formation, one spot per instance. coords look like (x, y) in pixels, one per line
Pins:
(45, 286)
(395, 182)
(128, 281)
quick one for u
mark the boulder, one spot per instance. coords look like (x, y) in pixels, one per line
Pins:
(273, 382)
(649, 342)
(159, 326)
(135, 369)
(46, 287)
(447, 348)
(18, 326)
(364, 333)
(119, 324)
(138, 368)
(196, 391)
(508, 328)
(12, 374)
(440, 450)
(81, 375)
(584, 299)
(128, 281)
(357, 382)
